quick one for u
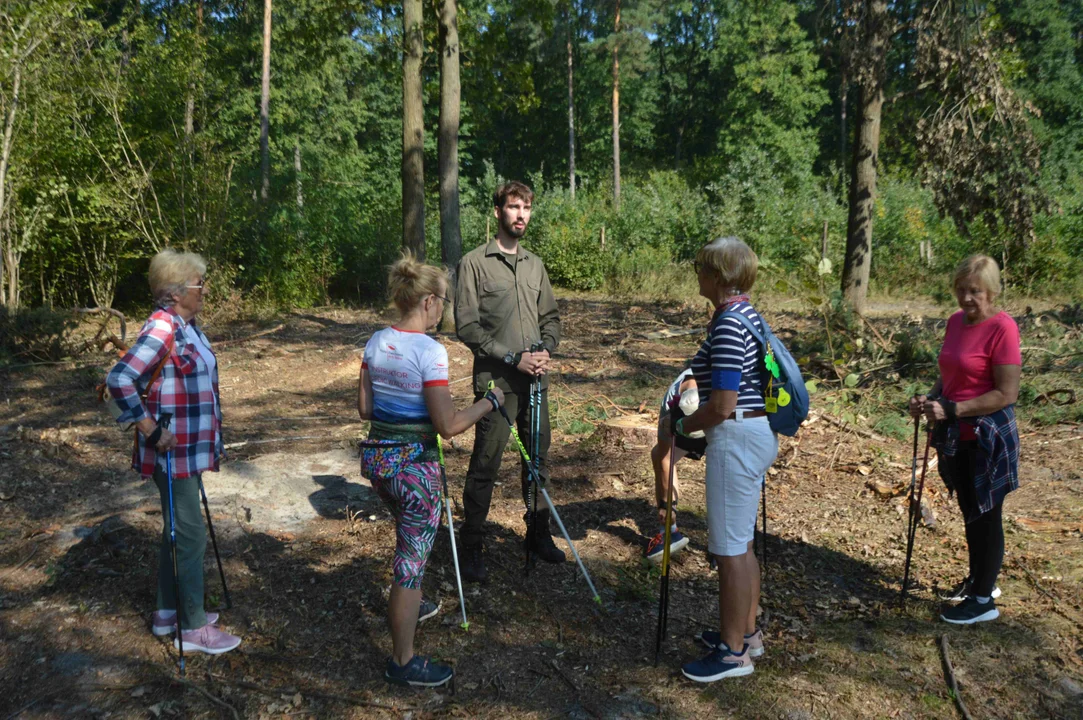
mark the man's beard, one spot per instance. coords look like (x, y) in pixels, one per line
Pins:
(511, 231)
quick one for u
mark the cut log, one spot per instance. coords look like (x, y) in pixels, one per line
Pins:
(629, 431)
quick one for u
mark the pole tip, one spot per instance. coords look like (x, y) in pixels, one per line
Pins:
(598, 599)
(465, 625)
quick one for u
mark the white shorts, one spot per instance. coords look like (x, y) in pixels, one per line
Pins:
(739, 452)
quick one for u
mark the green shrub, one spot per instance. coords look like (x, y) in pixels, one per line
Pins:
(37, 334)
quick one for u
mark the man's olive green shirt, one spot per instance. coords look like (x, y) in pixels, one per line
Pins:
(503, 303)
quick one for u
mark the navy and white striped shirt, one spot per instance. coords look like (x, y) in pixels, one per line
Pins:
(729, 359)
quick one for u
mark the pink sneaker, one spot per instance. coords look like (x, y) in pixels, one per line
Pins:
(207, 639)
(754, 641)
(162, 625)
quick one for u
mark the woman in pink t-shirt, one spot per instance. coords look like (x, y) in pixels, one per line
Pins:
(976, 438)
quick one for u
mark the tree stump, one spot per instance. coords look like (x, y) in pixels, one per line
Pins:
(637, 432)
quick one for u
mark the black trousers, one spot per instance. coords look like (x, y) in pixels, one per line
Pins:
(985, 533)
(490, 438)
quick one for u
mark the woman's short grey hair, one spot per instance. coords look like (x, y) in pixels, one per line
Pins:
(732, 261)
(170, 272)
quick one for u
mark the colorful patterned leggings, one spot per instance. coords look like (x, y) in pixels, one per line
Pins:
(413, 496)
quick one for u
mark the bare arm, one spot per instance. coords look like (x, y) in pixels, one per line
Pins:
(719, 406)
(450, 422)
(364, 394)
(1005, 393)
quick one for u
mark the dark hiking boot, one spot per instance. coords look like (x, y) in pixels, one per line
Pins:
(473, 566)
(543, 545)
(418, 672)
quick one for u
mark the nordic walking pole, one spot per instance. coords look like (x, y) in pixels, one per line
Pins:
(556, 516)
(765, 523)
(214, 542)
(915, 507)
(164, 421)
(909, 517)
(663, 595)
(535, 444)
(451, 531)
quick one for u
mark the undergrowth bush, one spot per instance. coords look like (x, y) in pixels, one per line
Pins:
(36, 334)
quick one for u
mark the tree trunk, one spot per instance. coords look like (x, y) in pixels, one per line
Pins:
(6, 242)
(265, 109)
(413, 132)
(616, 107)
(855, 272)
(571, 106)
(873, 38)
(297, 175)
(190, 101)
(844, 89)
(451, 240)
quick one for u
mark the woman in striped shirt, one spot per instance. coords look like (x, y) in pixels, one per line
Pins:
(740, 447)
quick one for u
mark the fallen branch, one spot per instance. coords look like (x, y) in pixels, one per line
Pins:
(880, 338)
(212, 698)
(1067, 395)
(850, 426)
(1054, 599)
(949, 675)
(110, 311)
(563, 676)
(24, 562)
(224, 343)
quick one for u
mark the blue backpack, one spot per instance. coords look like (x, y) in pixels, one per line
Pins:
(784, 393)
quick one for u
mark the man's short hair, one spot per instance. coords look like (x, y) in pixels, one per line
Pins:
(513, 188)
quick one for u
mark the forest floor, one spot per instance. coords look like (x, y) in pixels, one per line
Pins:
(307, 551)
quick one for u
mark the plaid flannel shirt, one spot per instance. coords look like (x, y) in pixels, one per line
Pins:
(997, 473)
(186, 388)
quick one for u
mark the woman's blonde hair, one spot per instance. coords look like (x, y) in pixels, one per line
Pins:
(982, 267)
(732, 261)
(170, 272)
(409, 281)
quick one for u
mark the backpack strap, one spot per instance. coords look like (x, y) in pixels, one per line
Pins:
(154, 376)
(749, 325)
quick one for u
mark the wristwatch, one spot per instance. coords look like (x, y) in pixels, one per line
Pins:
(512, 359)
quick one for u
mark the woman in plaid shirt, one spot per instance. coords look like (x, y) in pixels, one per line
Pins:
(187, 389)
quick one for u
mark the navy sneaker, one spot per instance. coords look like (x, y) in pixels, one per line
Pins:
(419, 672)
(656, 546)
(970, 611)
(719, 663)
(963, 590)
(754, 642)
(426, 610)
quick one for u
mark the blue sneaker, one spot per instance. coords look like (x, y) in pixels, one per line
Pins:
(419, 672)
(754, 642)
(656, 546)
(426, 610)
(719, 663)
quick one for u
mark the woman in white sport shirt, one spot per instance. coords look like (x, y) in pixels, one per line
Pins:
(403, 390)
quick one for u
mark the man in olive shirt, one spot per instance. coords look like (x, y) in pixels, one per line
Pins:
(504, 304)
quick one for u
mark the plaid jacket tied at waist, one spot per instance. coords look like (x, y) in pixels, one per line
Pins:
(186, 388)
(997, 465)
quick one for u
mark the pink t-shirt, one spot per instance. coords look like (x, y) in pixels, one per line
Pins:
(969, 354)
